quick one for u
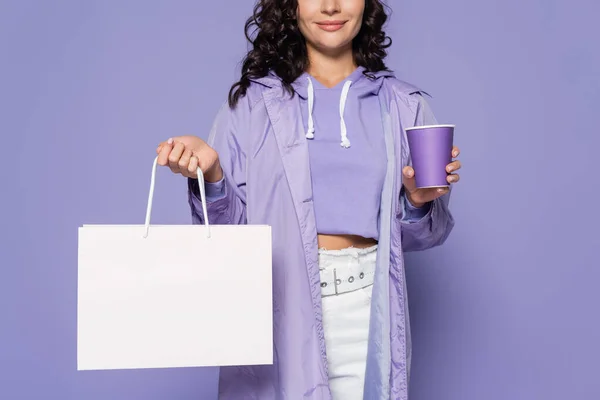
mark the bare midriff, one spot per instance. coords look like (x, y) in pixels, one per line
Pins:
(338, 242)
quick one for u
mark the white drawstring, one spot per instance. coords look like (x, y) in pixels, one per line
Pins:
(310, 133)
(345, 142)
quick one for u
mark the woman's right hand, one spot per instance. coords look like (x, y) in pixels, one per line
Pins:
(184, 154)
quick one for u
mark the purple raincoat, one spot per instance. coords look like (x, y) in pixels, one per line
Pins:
(264, 155)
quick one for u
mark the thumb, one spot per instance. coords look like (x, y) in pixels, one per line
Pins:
(408, 179)
(187, 140)
(180, 139)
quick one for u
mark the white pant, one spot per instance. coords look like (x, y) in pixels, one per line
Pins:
(346, 319)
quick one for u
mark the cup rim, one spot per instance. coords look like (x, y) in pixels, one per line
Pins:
(413, 128)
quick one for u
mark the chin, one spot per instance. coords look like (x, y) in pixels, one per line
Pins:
(333, 45)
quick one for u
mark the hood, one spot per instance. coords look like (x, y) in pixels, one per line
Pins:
(356, 84)
(359, 83)
(364, 84)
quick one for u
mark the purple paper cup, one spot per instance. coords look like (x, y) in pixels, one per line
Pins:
(431, 151)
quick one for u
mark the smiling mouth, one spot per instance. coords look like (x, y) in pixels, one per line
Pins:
(331, 26)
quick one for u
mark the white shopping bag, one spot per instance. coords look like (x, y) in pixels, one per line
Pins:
(173, 295)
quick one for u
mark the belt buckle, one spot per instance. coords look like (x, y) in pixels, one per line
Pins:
(328, 282)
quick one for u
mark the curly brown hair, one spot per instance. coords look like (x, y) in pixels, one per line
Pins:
(279, 46)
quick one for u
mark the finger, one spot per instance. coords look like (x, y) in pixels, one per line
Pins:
(203, 164)
(160, 147)
(453, 166)
(408, 178)
(184, 160)
(455, 151)
(163, 155)
(453, 178)
(175, 155)
(193, 167)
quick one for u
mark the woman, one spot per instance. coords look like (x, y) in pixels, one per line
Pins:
(312, 143)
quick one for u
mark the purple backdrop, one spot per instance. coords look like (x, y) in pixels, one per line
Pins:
(507, 309)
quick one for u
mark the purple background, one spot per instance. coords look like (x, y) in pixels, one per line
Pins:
(507, 309)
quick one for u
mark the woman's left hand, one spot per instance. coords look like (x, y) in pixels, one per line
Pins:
(418, 197)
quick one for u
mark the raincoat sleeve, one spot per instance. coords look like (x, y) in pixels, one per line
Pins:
(430, 225)
(226, 199)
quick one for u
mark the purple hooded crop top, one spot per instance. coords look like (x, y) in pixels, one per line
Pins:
(347, 154)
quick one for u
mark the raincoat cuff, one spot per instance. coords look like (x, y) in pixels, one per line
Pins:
(214, 190)
(411, 213)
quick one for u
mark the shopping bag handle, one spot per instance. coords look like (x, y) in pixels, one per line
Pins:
(151, 196)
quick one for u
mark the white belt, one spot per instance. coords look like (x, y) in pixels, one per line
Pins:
(342, 280)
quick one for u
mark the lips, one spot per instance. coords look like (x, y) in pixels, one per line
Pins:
(331, 26)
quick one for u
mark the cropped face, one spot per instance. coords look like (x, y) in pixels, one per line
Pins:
(329, 26)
